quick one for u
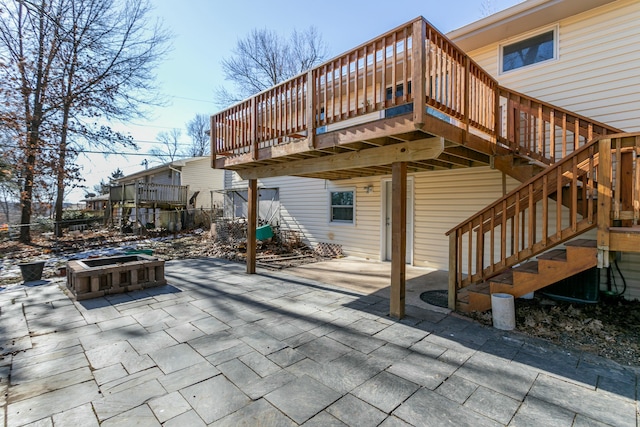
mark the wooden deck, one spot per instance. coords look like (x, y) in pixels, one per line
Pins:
(392, 91)
(149, 194)
(412, 101)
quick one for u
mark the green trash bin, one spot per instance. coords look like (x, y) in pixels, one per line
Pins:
(263, 233)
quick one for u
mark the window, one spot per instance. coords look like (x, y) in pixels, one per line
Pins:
(342, 206)
(529, 51)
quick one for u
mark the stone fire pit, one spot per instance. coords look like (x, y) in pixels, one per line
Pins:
(92, 278)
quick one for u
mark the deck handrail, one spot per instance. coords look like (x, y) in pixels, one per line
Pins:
(517, 226)
(393, 71)
(372, 77)
(149, 193)
(529, 123)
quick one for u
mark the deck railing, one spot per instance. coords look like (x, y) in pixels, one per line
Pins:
(149, 193)
(593, 185)
(413, 65)
(416, 68)
(542, 131)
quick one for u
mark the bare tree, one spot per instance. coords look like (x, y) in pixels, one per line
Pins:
(487, 7)
(29, 41)
(107, 56)
(73, 62)
(264, 58)
(170, 146)
(196, 129)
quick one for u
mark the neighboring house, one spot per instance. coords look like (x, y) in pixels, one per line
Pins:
(161, 194)
(509, 103)
(97, 203)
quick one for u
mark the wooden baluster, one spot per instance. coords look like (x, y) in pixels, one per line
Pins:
(365, 70)
(541, 132)
(590, 185)
(405, 67)
(503, 235)
(394, 63)
(383, 84)
(545, 209)
(480, 248)
(617, 170)
(516, 222)
(604, 201)
(574, 194)
(492, 241)
(576, 134)
(322, 120)
(559, 203)
(564, 135)
(348, 87)
(353, 111)
(334, 92)
(459, 256)
(532, 218)
(636, 193)
(467, 93)
(453, 270)
(552, 136)
(470, 253)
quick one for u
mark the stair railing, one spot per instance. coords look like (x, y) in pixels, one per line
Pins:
(585, 185)
(541, 131)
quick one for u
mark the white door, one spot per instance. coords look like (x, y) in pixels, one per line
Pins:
(387, 220)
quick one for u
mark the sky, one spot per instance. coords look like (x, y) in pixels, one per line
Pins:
(206, 31)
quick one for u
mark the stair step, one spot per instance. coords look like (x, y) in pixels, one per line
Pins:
(528, 267)
(583, 243)
(506, 277)
(555, 255)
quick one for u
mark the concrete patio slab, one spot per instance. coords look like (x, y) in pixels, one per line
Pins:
(218, 347)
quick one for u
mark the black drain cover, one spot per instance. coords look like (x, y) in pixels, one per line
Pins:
(438, 298)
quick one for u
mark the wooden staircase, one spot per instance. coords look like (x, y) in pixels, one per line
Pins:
(597, 186)
(550, 267)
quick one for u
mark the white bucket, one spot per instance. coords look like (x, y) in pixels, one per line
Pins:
(504, 313)
(527, 296)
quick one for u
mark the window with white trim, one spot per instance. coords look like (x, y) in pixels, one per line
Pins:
(529, 51)
(342, 206)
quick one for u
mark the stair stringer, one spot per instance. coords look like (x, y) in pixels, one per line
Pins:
(551, 267)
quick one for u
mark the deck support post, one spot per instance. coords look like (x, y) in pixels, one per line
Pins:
(398, 238)
(252, 219)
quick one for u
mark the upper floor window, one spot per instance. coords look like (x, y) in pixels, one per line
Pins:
(342, 206)
(532, 50)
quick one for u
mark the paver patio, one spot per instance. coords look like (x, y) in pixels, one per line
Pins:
(219, 347)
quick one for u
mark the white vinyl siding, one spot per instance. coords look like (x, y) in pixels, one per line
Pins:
(441, 201)
(304, 208)
(596, 75)
(200, 176)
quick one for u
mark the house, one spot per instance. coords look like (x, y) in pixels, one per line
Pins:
(168, 195)
(97, 204)
(505, 152)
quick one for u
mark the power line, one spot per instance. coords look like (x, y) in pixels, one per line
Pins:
(192, 99)
(120, 153)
